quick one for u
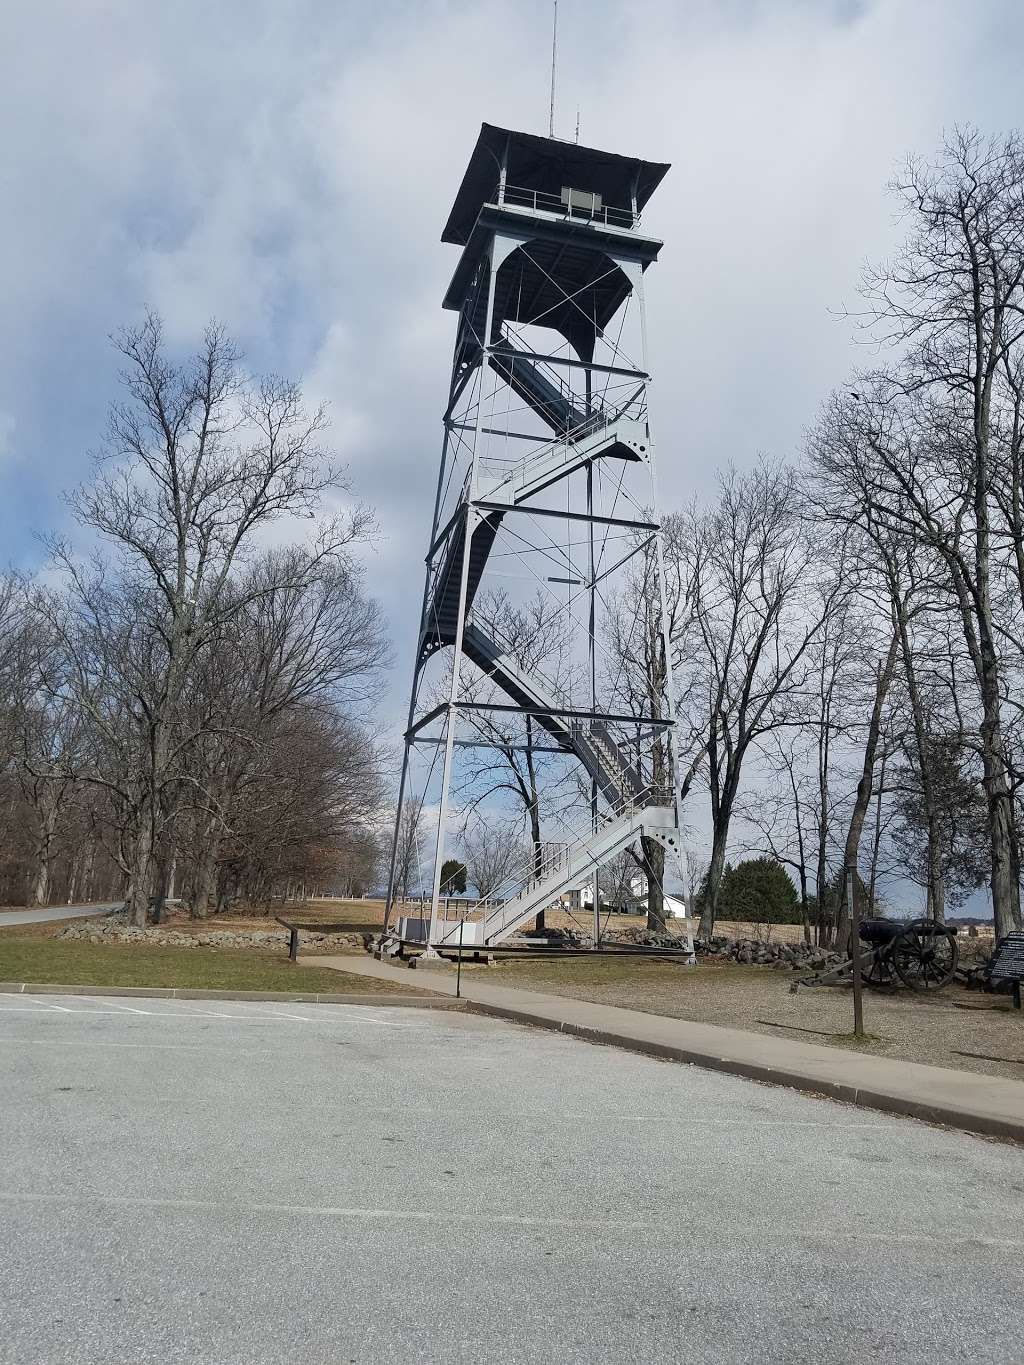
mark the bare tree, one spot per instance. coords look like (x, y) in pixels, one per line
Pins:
(407, 850)
(781, 810)
(952, 301)
(494, 854)
(305, 634)
(756, 601)
(198, 460)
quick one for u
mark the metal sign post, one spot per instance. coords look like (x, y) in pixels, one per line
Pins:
(458, 968)
(855, 954)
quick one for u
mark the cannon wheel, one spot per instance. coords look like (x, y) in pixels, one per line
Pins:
(925, 955)
(877, 972)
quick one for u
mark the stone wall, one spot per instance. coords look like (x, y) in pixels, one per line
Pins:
(116, 930)
(797, 957)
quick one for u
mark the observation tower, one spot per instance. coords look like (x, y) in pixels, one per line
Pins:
(540, 744)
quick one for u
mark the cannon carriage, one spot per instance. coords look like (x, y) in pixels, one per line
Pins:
(920, 954)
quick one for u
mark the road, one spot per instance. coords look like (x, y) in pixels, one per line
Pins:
(55, 912)
(219, 1183)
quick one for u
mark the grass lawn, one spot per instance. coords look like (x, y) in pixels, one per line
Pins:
(32, 957)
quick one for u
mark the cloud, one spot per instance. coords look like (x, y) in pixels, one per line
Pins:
(288, 169)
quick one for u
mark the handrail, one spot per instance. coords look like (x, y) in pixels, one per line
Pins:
(524, 877)
(545, 202)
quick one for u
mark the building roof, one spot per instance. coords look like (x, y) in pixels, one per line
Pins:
(546, 164)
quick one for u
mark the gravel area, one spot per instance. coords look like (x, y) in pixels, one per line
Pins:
(937, 1029)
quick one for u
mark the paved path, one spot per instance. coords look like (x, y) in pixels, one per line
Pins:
(963, 1099)
(253, 1184)
(55, 912)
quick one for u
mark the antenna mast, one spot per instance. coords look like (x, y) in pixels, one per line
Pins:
(554, 57)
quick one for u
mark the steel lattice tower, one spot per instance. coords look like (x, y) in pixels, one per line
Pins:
(545, 520)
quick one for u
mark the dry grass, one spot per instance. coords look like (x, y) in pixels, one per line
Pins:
(358, 916)
(935, 1029)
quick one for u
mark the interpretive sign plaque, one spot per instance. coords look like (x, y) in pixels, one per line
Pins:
(1008, 962)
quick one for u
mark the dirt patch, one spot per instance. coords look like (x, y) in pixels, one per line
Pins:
(965, 1030)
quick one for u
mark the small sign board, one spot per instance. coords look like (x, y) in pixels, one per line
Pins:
(1008, 958)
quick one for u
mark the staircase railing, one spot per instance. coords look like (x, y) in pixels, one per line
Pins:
(552, 454)
(529, 875)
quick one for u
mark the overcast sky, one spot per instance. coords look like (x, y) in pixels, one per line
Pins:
(288, 168)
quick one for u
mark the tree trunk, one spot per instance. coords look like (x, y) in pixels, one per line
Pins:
(654, 865)
(1004, 882)
(805, 908)
(204, 886)
(41, 884)
(864, 786)
(876, 842)
(140, 886)
(824, 822)
(936, 890)
(1002, 832)
(88, 872)
(936, 876)
(47, 813)
(709, 907)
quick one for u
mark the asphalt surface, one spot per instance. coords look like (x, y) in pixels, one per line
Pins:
(55, 912)
(217, 1183)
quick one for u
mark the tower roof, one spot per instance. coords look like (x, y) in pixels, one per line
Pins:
(547, 165)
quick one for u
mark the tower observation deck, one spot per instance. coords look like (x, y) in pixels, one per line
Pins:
(540, 744)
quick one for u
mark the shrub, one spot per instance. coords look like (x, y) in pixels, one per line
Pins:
(758, 891)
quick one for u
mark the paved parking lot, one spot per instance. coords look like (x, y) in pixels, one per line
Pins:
(211, 1182)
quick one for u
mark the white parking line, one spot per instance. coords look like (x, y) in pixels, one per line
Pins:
(277, 1014)
(139, 1047)
(43, 1009)
(110, 1007)
(354, 1015)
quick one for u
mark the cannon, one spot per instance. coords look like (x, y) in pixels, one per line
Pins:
(919, 953)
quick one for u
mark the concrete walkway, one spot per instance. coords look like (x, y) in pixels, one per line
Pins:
(990, 1105)
(55, 912)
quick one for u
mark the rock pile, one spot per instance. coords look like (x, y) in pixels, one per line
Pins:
(796, 957)
(115, 929)
(785, 956)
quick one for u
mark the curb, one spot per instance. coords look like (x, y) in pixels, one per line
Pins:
(964, 1119)
(425, 1002)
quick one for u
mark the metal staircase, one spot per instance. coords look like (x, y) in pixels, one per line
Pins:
(617, 438)
(593, 744)
(572, 867)
(443, 606)
(549, 397)
(600, 436)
